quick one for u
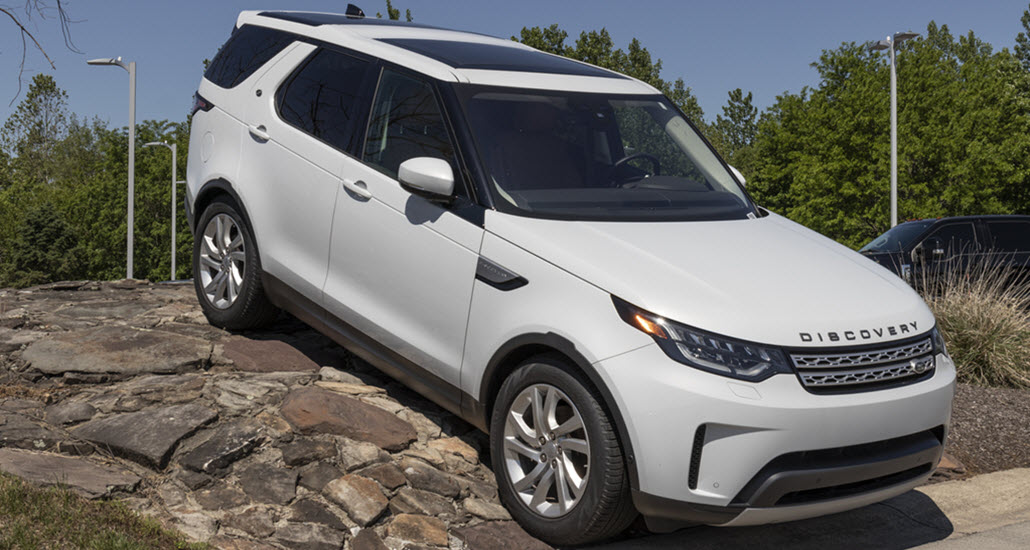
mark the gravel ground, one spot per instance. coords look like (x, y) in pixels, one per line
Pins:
(990, 428)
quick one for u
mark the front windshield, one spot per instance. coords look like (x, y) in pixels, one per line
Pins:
(592, 156)
(897, 238)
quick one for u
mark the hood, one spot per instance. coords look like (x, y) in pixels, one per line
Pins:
(767, 280)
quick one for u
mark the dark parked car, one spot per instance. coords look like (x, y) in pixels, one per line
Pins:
(933, 246)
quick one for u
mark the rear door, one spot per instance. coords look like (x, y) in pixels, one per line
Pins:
(401, 267)
(302, 120)
(1009, 241)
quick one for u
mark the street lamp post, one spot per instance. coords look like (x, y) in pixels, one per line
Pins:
(891, 43)
(131, 68)
(175, 161)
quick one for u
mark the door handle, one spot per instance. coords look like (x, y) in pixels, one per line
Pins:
(358, 188)
(259, 132)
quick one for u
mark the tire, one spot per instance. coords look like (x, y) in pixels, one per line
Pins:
(240, 303)
(603, 507)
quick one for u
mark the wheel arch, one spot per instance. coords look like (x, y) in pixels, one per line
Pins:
(207, 195)
(510, 355)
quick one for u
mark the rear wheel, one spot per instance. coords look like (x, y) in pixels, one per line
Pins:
(559, 466)
(226, 270)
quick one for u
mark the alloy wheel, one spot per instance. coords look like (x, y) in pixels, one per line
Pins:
(546, 450)
(223, 261)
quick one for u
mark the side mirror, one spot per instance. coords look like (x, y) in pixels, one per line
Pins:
(427, 177)
(740, 177)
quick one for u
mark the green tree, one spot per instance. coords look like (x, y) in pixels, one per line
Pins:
(394, 14)
(45, 249)
(734, 131)
(598, 48)
(1023, 41)
(33, 132)
(822, 156)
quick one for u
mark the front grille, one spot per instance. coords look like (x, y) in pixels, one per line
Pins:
(865, 369)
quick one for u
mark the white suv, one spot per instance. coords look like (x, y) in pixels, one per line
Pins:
(553, 252)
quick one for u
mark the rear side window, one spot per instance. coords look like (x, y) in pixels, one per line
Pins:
(406, 123)
(246, 51)
(957, 238)
(322, 98)
(1010, 236)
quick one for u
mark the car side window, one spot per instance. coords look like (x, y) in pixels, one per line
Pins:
(245, 52)
(322, 98)
(956, 238)
(1009, 236)
(406, 123)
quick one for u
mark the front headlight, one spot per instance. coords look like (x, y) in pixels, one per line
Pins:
(704, 350)
(938, 342)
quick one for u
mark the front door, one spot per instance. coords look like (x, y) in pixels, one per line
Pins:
(401, 268)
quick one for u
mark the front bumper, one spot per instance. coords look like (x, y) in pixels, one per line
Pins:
(713, 450)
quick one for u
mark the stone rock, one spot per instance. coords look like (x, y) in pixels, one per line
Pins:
(367, 539)
(84, 477)
(27, 407)
(275, 427)
(426, 428)
(384, 403)
(238, 396)
(116, 349)
(70, 412)
(254, 521)
(330, 374)
(360, 497)
(418, 529)
(223, 542)
(387, 474)
(315, 410)
(349, 389)
(266, 356)
(23, 433)
(269, 484)
(315, 476)
(309, 536)
(225, 445)
(220, 497)
(130, 403)
(431, 456)
(11, 340)
(312, 511)
(195, 525)
(423, 476)
(352, 454)
(193, 480)
(415, 501)
(949, 462)
(486, 510)
(147, 437)
(485, 491)
(498, 535)
(305, 449)
(171, 495)
(453, 445)
(454, 464)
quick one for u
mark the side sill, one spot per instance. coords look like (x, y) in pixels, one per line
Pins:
(391, 363)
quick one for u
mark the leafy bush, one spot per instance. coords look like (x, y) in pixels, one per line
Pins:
(984, 316)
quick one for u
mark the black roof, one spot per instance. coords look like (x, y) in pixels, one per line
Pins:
(985, 217)
(319, 19)
(471, 55)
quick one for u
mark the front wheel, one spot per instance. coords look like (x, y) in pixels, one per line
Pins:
(559, 466)
(226, 270)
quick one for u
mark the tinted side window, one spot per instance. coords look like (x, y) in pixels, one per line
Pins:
(322, 98)
(1010, 236)
(957, 238)
(246, 51)
(406, 123)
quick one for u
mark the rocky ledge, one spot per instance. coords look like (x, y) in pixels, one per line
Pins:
(273, 439)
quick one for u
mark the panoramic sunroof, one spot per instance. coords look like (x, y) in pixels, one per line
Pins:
(319, 19)
(468, 55)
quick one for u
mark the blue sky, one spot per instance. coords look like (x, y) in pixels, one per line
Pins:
(762, 46)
